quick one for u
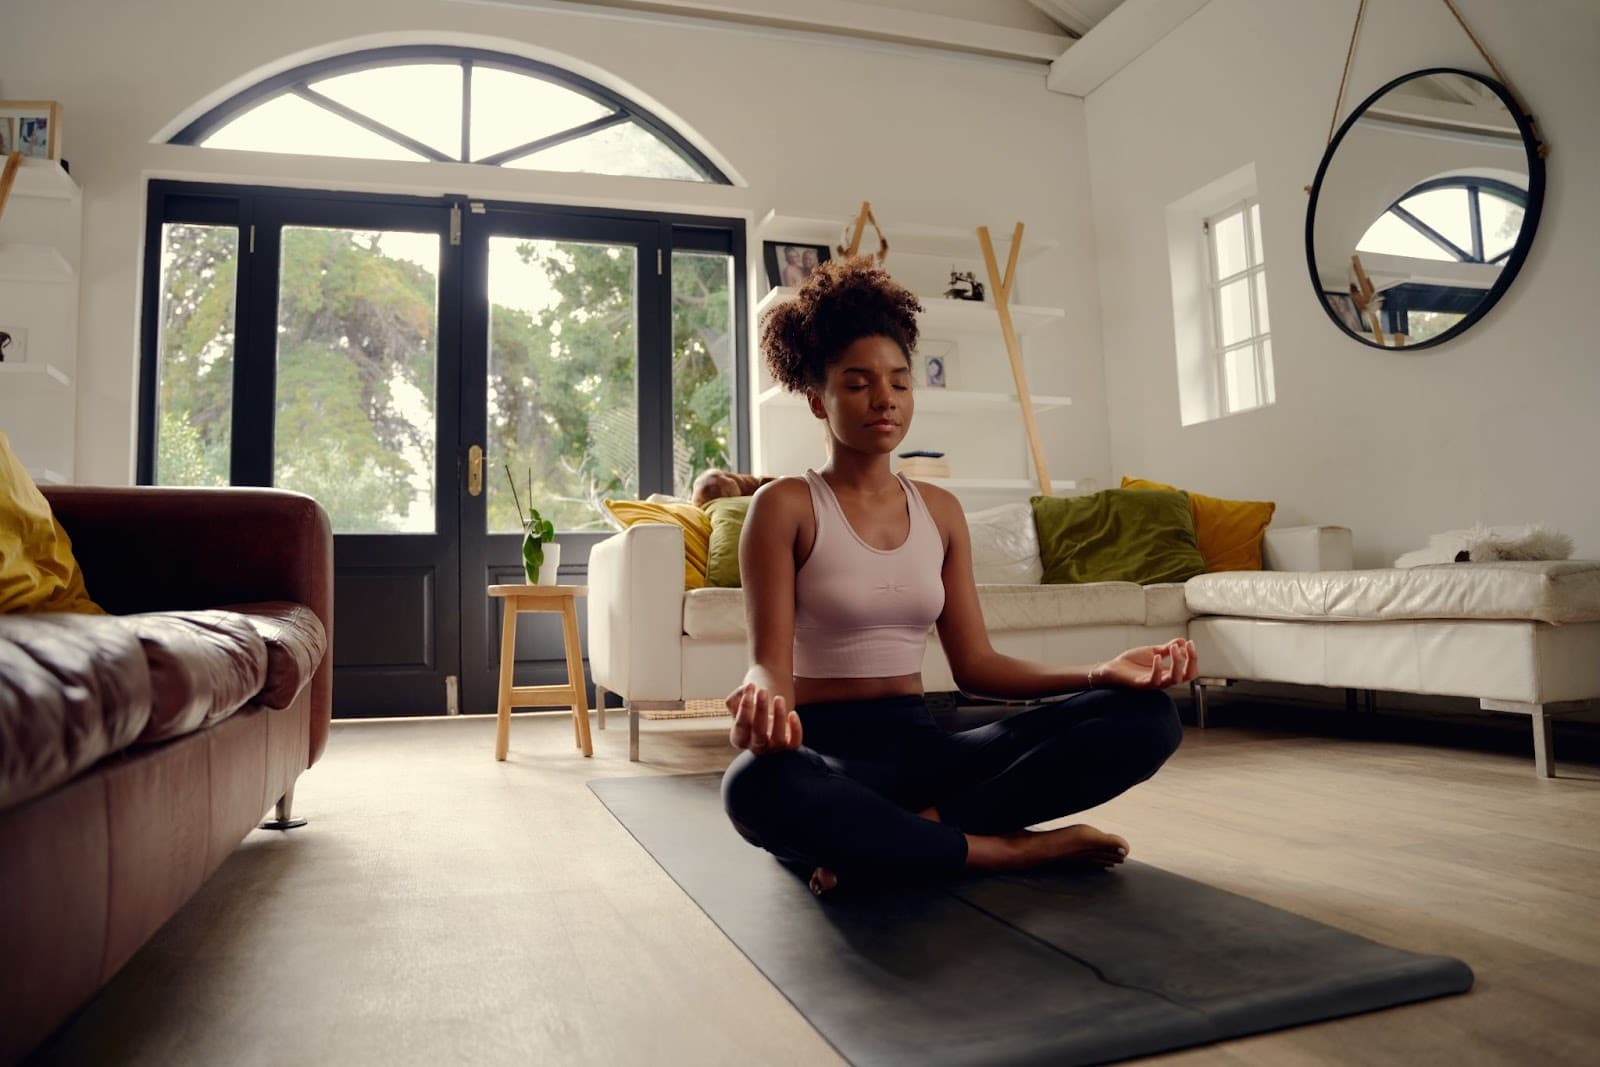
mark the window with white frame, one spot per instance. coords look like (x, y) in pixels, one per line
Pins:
(1241, 334)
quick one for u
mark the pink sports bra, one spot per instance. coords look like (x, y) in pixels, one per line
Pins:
(864, 612)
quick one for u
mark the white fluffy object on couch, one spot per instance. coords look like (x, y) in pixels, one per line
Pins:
(1485, 544)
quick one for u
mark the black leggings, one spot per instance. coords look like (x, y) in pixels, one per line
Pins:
(848, 798)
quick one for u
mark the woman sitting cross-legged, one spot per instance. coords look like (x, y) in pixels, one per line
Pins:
(843, 771)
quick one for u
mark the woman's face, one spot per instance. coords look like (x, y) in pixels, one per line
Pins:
(791, 256)
(866, 396)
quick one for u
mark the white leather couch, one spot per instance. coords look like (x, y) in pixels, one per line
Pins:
(1518, 637)
(657, 645)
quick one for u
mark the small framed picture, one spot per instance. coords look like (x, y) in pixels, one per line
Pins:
(935, 369)
(13, 344)
(791, 264)
(32, 127)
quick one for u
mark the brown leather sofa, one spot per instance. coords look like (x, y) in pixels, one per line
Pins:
(137, 750)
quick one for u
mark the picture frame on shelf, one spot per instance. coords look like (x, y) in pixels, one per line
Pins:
(790, 263)
(13, 344)
(32, 127)
(935, 362)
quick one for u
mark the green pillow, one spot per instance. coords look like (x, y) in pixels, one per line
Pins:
(1117, 535)
(722, 557)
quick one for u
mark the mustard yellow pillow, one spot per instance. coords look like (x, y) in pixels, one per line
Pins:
(1229, 531)
(37, 568)
(696, 526)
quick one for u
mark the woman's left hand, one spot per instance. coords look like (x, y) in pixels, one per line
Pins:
(1150, 666)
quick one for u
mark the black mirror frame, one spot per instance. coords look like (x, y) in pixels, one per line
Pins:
(1519, 251)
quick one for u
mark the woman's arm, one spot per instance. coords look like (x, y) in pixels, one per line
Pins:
(980, 670)
(763, 706)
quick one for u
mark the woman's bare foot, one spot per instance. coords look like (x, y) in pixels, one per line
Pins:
(1079, 845)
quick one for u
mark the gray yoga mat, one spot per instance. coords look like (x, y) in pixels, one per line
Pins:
(1057, 968)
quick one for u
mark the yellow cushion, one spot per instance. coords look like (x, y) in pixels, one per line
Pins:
(1229, 531)
(696, 531)
(37, 569)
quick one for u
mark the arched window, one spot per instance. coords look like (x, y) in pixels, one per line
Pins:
(1462, 219)
(1467, 220)
(461, 105)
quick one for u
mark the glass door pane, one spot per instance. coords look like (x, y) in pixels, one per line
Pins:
(703, 355)
(357, 359)
(194, 354)
(563, 355)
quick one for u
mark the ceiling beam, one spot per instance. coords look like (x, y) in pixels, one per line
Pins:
(1130, 31)
(846, 18)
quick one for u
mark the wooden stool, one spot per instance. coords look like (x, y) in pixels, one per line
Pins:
(562, 598)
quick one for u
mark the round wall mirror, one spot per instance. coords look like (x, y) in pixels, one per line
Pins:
(1423, 209)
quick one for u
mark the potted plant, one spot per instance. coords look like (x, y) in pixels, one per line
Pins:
(541, 556)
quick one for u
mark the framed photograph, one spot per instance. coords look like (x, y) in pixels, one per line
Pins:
(32, 127)
(13, 344)
(1345, 309)
(791, 264)
(935, 366)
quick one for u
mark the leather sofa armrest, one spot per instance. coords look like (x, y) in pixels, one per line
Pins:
(636, 612)
(1308, 548)
(150, 548)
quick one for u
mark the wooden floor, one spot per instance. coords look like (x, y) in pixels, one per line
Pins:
(442, 907)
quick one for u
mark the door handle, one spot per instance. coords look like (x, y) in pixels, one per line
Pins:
(474, 471)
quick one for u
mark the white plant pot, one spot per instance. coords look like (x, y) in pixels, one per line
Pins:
(552, 562)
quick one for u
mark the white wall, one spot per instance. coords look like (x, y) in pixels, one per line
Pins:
(1497, 426)
(812, 126)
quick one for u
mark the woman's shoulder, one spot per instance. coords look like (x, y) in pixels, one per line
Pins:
(783, 494)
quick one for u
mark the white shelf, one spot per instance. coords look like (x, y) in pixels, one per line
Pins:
(938, 400)
(44, 178)
(39, 370)
(46, 476)
(34, 263)
(942, 315)
(948, 242)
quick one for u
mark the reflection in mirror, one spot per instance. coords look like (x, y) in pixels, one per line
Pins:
(1423, 209)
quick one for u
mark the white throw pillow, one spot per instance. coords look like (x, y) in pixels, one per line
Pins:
(1005, 545)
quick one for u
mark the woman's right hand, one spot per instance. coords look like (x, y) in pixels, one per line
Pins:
(762, 721)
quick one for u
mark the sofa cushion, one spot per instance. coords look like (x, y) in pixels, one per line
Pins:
(719, 613)
(1228, 532)
(1554, 592)
(1117, 535)
(204, 665)
(73, 689)
(1051, 607)
(714, 612)
(38, 571)
(296, 642)
(722, 556)
(1005, 545)
(1165, 604)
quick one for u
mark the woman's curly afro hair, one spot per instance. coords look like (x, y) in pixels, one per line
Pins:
(840, 302)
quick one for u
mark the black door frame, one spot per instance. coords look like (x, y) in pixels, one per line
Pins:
(258, 212)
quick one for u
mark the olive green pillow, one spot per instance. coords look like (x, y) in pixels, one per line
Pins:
(1117, 535)
(722, 557)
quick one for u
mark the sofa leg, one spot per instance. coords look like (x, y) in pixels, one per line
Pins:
(600, 704)
(284, 820)
(634, 707)
(1544, 746)
(1198, 689)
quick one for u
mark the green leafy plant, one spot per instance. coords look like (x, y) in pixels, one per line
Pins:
(537, 531)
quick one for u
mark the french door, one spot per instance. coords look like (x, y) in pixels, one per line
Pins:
(407, 361)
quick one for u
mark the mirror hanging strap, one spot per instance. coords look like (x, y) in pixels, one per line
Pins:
(1544, 147)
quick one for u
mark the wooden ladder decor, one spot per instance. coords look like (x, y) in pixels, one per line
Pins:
(9, 175)
(1001, 290)
(863, 217)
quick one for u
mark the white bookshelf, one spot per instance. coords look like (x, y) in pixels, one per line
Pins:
(41, 237)
(980, 429)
